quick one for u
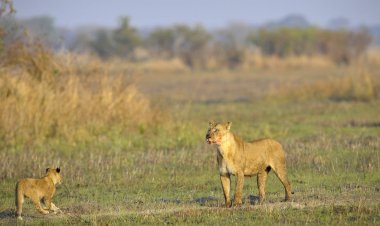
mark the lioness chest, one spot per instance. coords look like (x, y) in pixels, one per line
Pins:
(225, 166)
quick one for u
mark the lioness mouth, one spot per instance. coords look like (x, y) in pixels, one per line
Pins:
(209, 141)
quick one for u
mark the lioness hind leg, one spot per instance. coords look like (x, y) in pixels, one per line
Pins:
(281, 174)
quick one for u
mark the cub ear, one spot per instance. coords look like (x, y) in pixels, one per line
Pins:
(47, 169)
(211, 123)
(228, 125)
(58, 170)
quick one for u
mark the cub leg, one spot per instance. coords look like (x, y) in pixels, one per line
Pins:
(239, 188)
(226, 185)
(47, 201)
(19, 202)
(55, 208)
(37, 203)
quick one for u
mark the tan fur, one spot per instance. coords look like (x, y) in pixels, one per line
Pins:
(37, 190)
(239, 158)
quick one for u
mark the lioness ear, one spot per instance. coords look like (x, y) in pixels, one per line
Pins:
(228, 126)
(47, 169)
(211, 123)
(58, 170)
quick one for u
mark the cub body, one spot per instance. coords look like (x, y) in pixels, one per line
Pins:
(37, 190)
(239, 158)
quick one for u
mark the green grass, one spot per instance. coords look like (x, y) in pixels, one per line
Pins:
(166, 174)
(334, 172)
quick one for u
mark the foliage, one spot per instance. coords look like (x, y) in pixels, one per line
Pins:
(6, 7)
(161, 42)
(187, 43)
(125, 37)
(120, 42)
(341, 46)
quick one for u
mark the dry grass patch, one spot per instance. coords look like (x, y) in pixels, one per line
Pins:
(48, 96)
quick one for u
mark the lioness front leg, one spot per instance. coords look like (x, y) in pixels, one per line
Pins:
(239, 188)
(226, 185)
(261, 179)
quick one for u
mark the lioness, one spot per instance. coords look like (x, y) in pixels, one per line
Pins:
(37, 190)
(239, 158)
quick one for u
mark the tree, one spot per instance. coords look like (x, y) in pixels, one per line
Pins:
(161, 42)
(191, 44)
(231, 45)
(6, 22)
(6, 7)
(43, 28)
(126, 38)
(103, 44)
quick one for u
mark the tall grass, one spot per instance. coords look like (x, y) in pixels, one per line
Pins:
(357, 86)
(43, 96)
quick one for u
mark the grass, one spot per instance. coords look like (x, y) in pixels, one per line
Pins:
(132, 151)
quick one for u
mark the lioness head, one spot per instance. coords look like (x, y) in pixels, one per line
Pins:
(216, 132)
(54, 174)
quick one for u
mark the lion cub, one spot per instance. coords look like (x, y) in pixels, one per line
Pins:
(239, 158)
(37, 190)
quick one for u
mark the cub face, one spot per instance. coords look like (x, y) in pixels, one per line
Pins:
(55, 174)
(216, 132)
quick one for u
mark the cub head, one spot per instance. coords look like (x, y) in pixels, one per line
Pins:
(54, 174)
(216, 132)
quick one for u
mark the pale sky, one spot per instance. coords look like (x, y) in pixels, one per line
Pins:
(210, 13)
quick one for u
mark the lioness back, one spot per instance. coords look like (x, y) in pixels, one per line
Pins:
(274, 153)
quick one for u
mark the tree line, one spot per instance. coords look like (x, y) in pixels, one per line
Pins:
(195, 45)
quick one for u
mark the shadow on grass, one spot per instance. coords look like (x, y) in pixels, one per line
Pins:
(7, 214)
(169, 200)
(363, 124)
(253, 200)
(207, 201)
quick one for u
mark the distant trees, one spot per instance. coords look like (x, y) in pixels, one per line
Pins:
(125, 37)
(190, 44)
(340, 46)
(195, 46)
(161, 42)
(231, 44)
(6, 8)
(120, 42)
(102, 44)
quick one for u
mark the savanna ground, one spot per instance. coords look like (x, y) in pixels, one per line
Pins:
(131, 147)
